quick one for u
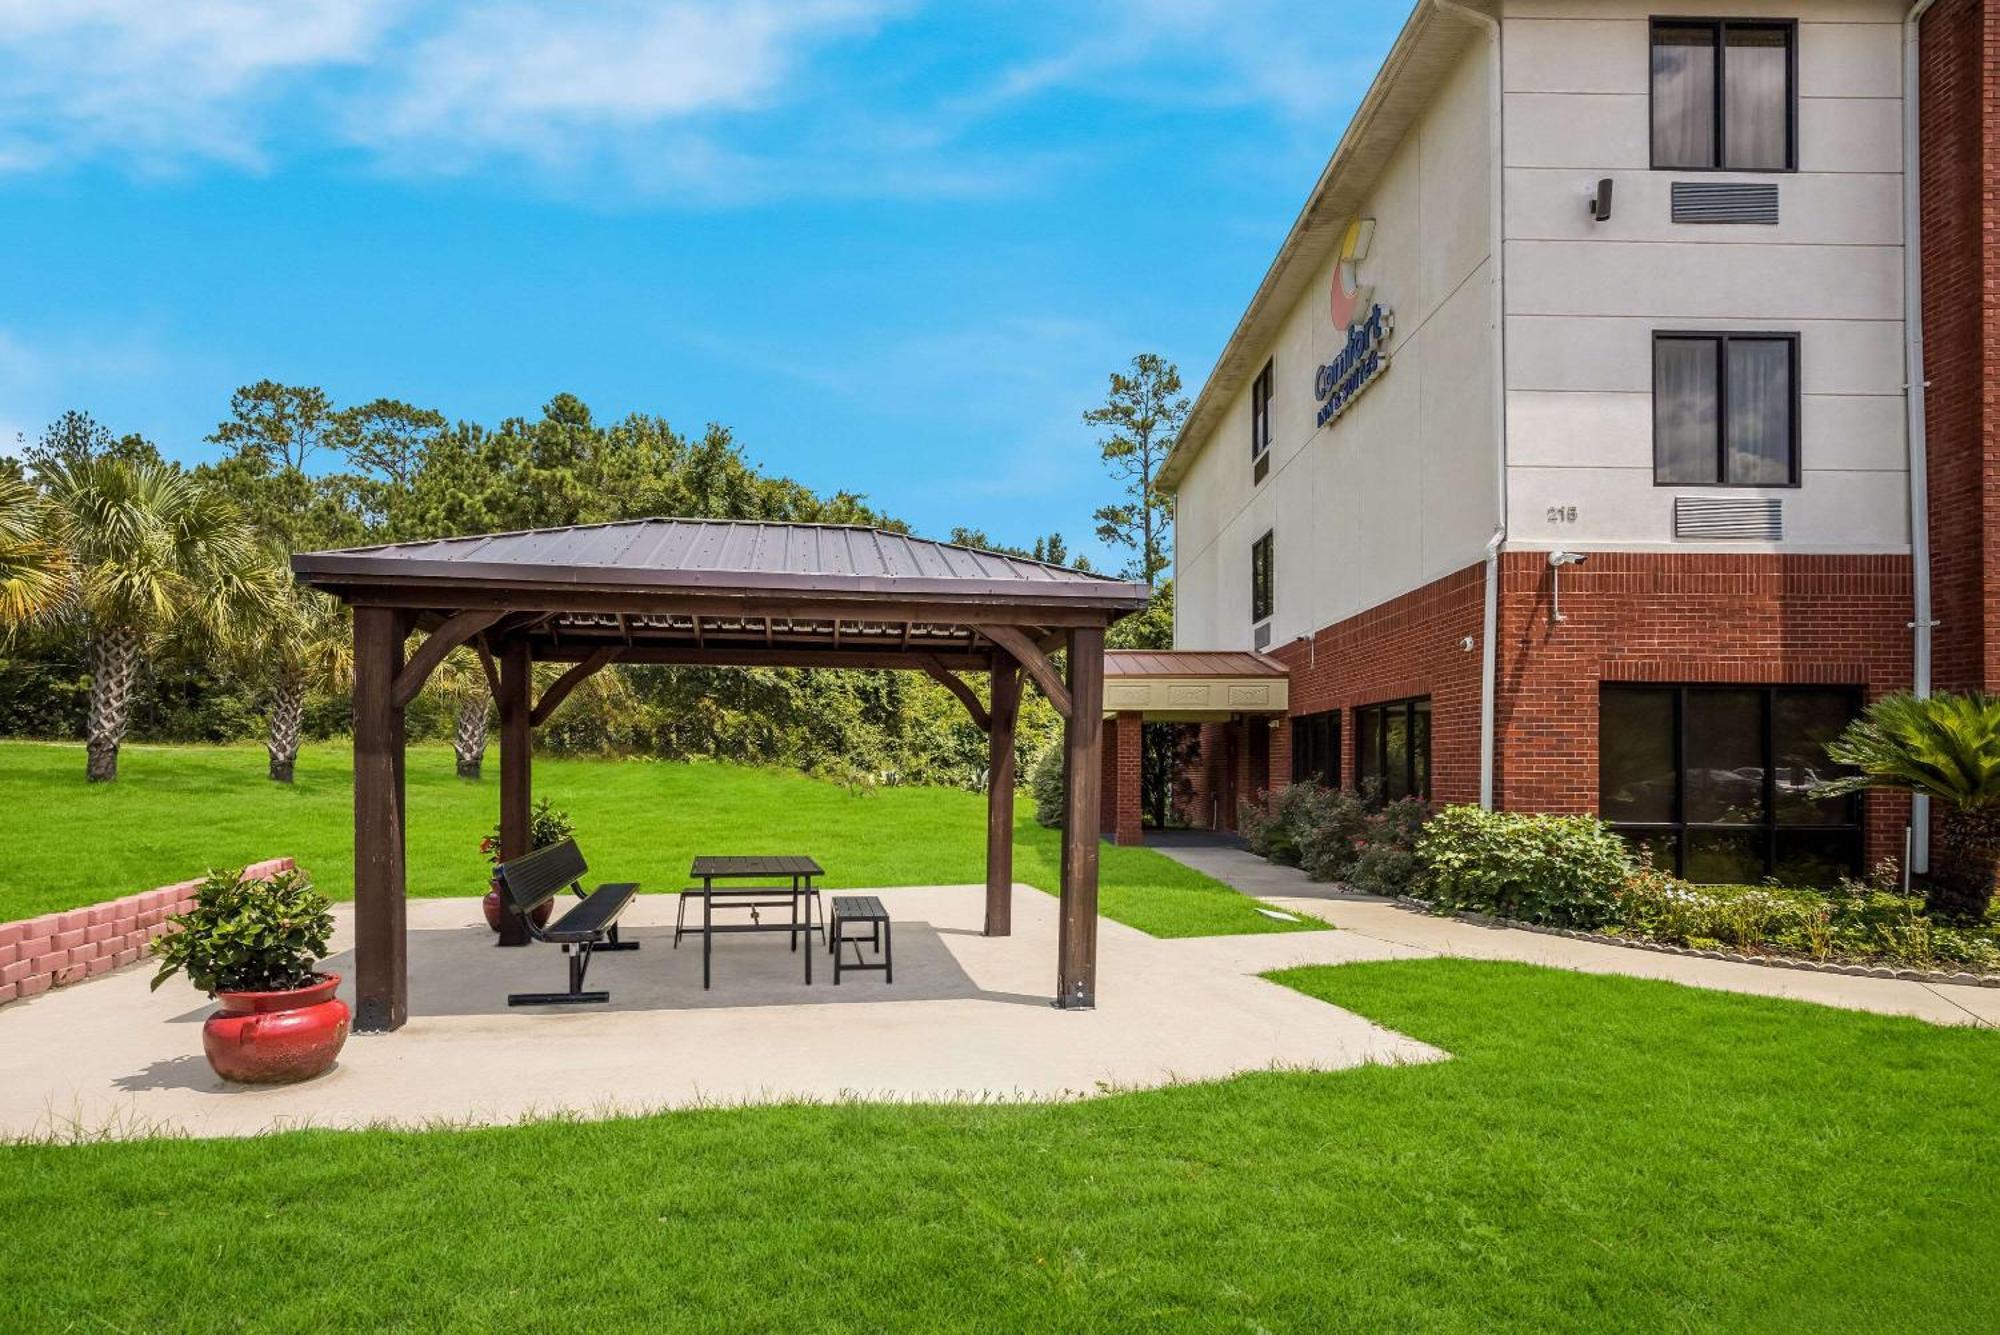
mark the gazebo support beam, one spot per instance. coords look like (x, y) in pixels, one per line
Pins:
(560, 688)
(456, 630)
(381, 980)
(1017, 642)
(1083, 742)
(1006, 711)
(517, 759)
(951, 681)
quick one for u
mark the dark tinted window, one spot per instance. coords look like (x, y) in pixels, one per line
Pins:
(1392, 749)
(1316, 748)
(1725, 409)
(1263, 578)
(1722, 95)
(1716, 781)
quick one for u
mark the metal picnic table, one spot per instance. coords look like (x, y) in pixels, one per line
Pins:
(798, 871)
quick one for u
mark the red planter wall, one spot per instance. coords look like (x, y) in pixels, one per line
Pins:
(56, 949)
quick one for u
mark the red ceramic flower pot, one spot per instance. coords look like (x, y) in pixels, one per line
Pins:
(276, 1038)
(491, 906)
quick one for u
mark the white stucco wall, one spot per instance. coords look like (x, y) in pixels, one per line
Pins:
(1584, 298)
(1399, 490)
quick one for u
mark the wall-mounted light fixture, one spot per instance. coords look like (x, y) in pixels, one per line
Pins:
(1600, 201)
(1557, 560)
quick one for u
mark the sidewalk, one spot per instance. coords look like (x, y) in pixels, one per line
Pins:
(1397, 933)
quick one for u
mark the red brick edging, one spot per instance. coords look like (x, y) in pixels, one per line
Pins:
(55, 949)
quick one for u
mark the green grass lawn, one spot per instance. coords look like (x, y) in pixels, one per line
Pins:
(1601, 1153)
(176, 811)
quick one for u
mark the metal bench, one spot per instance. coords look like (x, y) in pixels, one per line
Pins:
(534, 880)
(861, 911)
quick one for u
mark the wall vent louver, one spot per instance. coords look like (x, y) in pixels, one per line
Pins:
(1726, 202)
(1261, 636)
(1722, 519)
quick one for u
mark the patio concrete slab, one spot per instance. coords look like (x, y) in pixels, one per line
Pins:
(967, 1018)
(1408, 934)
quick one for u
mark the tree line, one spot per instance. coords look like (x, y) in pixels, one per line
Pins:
(140, 596)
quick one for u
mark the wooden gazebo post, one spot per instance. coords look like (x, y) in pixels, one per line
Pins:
(379, 909)
(1003, 711)
(517, 761)
(1083, 743)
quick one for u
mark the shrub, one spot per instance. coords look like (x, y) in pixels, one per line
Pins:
(1561, 870)
(1045, 784)
(1274, 824)
(1744, 916)
(248, 936)
(1385, 861)
(1335, 822)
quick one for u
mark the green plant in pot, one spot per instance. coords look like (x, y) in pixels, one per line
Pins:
(547, 824)
(255, 946)
(1945, 747)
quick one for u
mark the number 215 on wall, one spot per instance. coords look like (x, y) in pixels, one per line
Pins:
(1562, 514)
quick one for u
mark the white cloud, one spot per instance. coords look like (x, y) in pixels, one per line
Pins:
(509, 74)
(155, 84)
(1272, 53)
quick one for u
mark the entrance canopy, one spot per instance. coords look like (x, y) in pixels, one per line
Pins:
(1193, 685)
(718, 593)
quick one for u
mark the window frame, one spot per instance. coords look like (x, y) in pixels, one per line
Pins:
(1328, 721)
(1408, 705)
(1264, 573)
(1770, 828)
(1721, 338)
(1261, 390)
(1721, 27)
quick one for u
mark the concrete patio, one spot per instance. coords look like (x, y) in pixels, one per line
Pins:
(968, 1017)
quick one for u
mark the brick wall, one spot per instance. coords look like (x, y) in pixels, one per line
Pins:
(56, 949)
(1693, 617)
(1408, 646)
(1959, 92)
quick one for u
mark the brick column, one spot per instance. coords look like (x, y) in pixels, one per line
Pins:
(1281, 752)
(1124, 764)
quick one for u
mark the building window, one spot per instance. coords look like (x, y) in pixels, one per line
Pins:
(1726, 410)
(1316, 749)
(1263, 578)
(1260, 412)
(1716, 781)
(1722, 95)
(1392, 749)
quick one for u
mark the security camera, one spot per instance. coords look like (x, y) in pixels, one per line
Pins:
(1568, 558)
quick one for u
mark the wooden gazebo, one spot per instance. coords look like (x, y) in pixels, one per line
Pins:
(722, 594)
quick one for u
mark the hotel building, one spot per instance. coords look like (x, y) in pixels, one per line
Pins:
(1572, 454)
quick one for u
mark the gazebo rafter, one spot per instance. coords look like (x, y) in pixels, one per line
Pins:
(722, 594)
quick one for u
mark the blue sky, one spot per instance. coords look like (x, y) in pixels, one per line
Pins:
(895, 246)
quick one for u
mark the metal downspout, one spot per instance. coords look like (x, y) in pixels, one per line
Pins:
(1922, 621)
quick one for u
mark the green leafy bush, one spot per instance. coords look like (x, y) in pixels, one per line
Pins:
(1334, 822)
(1560, 870)
(1862, 921)
(1274, 824)
(248, 936)
(1385, 854)
(1045, 784)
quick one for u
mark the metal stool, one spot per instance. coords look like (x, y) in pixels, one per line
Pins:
(862, 911)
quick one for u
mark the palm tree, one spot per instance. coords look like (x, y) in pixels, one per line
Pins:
(1945, 747)
(461, 682)
(34, 572)
(302, 643)
(150, 551)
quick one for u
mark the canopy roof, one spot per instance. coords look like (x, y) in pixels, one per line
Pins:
(1189, 663)
(688, 590)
